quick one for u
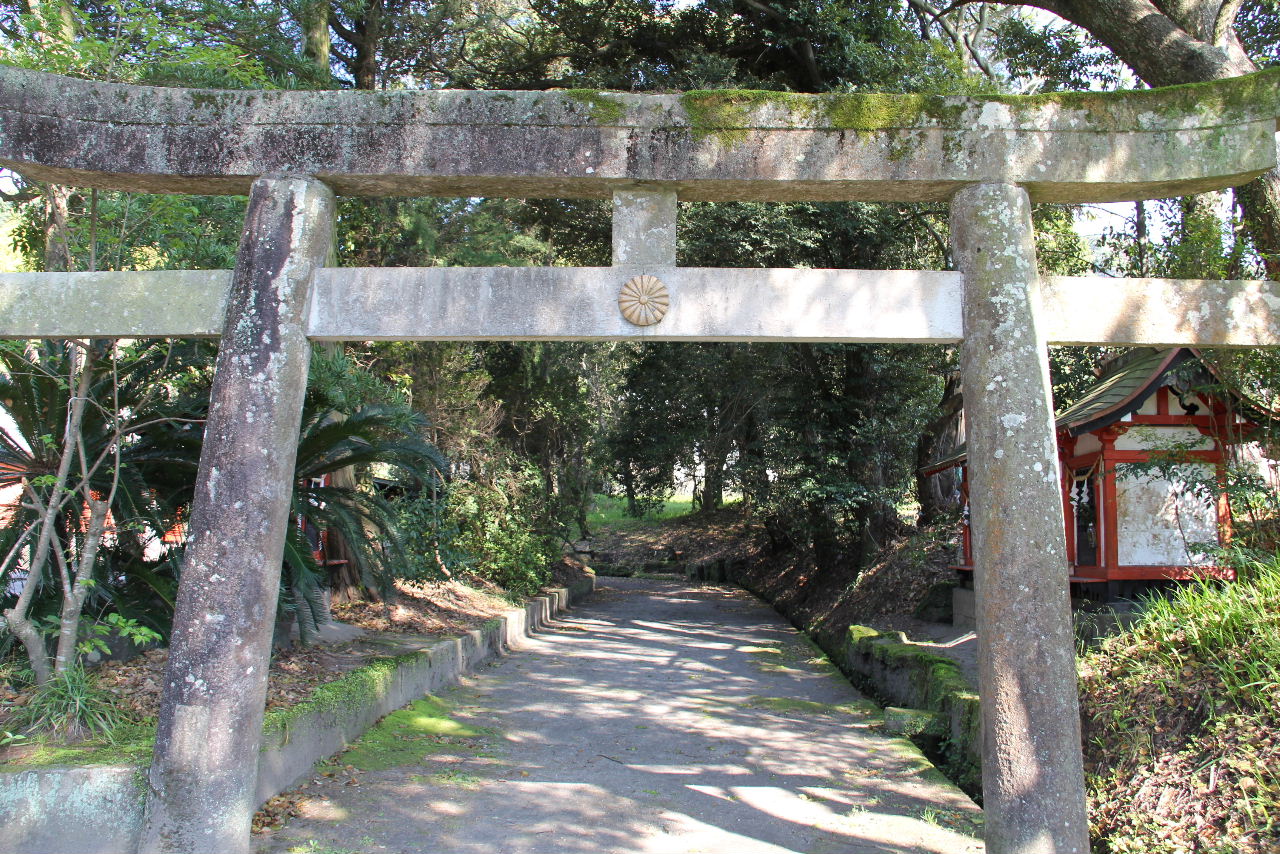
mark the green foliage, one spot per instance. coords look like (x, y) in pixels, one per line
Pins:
(1193, 237)
(1054, 56)
(331, 441)
(1182, 709)
(1072, 370)
(495, 514)
(802, 47)
(516, 422)
(134, 231)
(434, 232)
(70, 707)
(128, 41)
(115, 625)
(430, 536)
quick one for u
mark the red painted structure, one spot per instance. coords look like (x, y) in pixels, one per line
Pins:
(1146, 388)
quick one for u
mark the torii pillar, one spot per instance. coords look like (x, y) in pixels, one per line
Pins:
(1032, 774)
(200, 788)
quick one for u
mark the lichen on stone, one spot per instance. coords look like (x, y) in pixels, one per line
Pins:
(603, 109)
(729, 114)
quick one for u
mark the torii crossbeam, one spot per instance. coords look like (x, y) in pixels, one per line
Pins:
(991, 157)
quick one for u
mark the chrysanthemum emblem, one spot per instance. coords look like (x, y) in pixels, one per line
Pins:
(644, 300)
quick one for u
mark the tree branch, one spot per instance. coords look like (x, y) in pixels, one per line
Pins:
(1224, 22)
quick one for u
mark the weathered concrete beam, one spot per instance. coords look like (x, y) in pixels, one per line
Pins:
(518, 303)
(1032, 771)
(718, 145)
(160, 303)
(530, 303)
(203, 772)
(644, 228)
(1195, 312)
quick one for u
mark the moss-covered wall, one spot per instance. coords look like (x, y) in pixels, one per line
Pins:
(895, 671)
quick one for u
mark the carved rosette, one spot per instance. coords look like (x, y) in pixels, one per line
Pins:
(644, 300)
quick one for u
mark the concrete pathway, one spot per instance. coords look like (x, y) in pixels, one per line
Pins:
(655, 718)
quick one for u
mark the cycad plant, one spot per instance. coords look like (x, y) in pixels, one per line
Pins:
(104, 442)
(389, 436)
(81, 436)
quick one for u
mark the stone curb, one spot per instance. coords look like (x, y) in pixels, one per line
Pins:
(893, 669)
(98, 809)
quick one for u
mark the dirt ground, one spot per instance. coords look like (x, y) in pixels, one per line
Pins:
(419, 609)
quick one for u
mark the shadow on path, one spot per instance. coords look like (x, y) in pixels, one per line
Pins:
(654, 718)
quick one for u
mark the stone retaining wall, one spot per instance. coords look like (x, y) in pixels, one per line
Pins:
(901, 673)
(98, 809)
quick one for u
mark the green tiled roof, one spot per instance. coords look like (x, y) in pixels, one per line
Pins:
(1123, 387)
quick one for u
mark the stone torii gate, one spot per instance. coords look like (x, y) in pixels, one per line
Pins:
(292, 151)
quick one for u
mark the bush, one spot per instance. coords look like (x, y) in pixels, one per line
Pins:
(502, 526)
(71, 708)
(430, 537)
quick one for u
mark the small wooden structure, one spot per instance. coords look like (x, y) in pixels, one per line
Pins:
(1125, 524)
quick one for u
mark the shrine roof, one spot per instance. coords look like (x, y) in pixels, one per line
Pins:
(1123, 387)
(1125, 384)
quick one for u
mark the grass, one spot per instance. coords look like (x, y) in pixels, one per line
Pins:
(70, 721)
(1182, 716)
(409, 735)
(71, 707)
(608, 511)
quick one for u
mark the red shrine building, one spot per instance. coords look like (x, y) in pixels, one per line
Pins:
(1125, 523)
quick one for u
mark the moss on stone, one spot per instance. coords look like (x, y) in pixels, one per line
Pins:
(725, 113)
(1253, 93)
(407, 736)
(937, 686)
(603, 109)
(206, 98)
(350, 691)
(728, 114)
(858, 634)
(133, 744)
(913, 723)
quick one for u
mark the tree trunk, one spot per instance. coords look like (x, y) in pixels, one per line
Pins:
(57, 244)
(754, 475)
(345, 583)
(369, 30)
(1170, 42)
(313, 19)
(629, 488)
(936, 493)
(713, 465)
(75, 594)
(18, 618)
